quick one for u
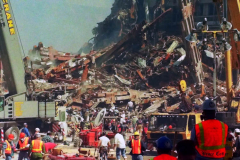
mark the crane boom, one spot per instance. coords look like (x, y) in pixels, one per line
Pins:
(10, 50)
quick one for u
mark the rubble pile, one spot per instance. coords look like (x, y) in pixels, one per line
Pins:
(141, 68)
(133, 69)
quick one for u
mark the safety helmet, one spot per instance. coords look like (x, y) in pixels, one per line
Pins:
(164, 143)
(22, 135)
(209, 105)
(237, 130)
(136, 134)
(11, 136)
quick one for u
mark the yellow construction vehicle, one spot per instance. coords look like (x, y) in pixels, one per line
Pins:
(164, 124)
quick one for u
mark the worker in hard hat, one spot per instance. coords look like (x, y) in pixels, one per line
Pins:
(236, 147)
(164, 148)
(8, 148)
(23, 146)
(37, 130)
(137, 146)
(210, 135)
(37, 148)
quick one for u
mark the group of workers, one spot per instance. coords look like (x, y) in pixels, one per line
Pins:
(29, 147)
(208, 141)
(26, 147)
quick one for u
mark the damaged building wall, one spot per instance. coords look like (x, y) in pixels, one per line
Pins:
(126, 14)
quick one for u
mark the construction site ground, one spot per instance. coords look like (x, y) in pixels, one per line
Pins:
(73, 150)
(70, 149)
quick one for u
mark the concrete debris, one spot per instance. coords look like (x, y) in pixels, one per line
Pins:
(144, 67)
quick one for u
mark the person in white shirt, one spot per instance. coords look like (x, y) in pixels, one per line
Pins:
(121, 145)
(122, 120)
(104, 145)
(123, 115)
(130, 106)
(112, 109)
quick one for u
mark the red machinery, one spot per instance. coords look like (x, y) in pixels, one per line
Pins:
(88, 138)
(91, 137)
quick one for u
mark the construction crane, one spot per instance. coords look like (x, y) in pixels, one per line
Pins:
(16, 109)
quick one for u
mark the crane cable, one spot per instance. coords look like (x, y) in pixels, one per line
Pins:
(17, 31)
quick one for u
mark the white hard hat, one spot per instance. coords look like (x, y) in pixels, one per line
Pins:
(37, 129)
(209, 105)
(237, 130)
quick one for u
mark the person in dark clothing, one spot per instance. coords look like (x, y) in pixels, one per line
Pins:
(164, 147)
(186, 150)
(47, 138)
(134, 144)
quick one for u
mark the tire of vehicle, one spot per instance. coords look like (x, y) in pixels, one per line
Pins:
(15, 131)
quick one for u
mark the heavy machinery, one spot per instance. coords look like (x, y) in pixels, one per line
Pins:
(18, 108)
(164, 124)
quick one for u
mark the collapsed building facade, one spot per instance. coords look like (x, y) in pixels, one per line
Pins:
(138, 53)
(139, 46)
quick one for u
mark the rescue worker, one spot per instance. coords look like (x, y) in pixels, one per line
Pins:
(139, 126)
(23, 146)
(47, 138)
(37, 148)
(25, 130)
(104, 145)
(134, 122)
(209, 135)
(164, 148)
(37, 130)
(8, 148)
(138, 146)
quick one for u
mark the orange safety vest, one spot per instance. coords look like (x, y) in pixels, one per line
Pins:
(211, 137)
(8, 150)
(37, 146)
(136, 146)
(24, 143)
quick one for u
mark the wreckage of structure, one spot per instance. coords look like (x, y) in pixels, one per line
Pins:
(144, 65)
